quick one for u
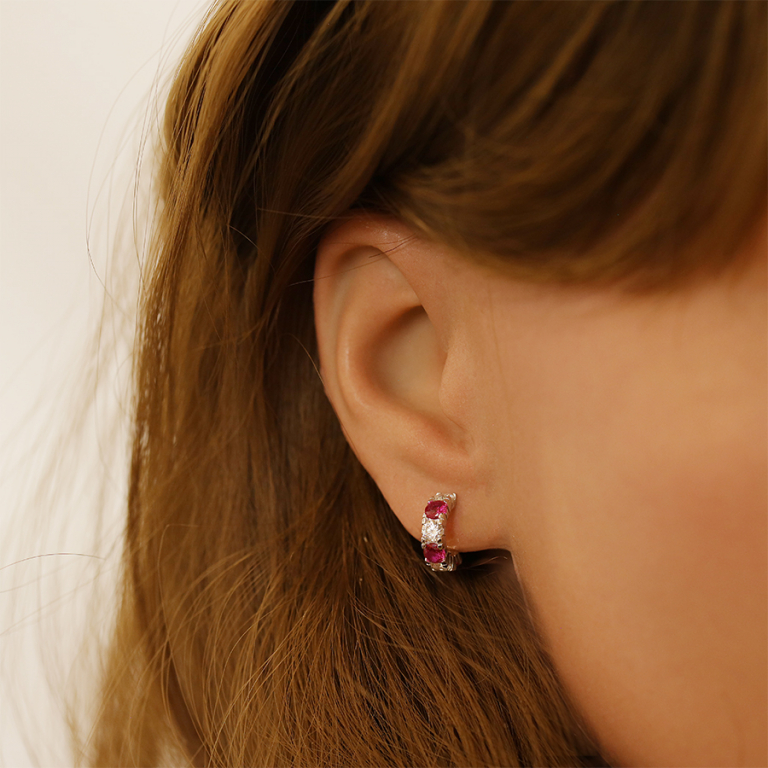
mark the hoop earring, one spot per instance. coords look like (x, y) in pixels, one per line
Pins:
(436, 555)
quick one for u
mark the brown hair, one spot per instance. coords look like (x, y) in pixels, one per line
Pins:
(273, 610)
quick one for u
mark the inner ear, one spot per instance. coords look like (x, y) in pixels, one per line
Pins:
(408, 360)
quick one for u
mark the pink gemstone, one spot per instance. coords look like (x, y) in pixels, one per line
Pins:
(435, 508)
(434, 554)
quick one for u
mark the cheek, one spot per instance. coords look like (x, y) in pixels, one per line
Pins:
(640, 490)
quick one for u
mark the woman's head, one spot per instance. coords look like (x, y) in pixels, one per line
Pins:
(495, 249)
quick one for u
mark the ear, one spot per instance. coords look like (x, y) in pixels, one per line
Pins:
(398, 371)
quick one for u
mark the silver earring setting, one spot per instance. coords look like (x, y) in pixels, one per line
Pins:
(436, 555)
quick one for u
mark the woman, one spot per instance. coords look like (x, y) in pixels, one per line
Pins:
(513, 252)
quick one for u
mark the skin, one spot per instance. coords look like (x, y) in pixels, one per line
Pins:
(615, 445)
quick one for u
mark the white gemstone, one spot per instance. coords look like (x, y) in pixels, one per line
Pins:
(431, 531)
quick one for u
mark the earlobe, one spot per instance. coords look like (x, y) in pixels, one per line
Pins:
(387, 359)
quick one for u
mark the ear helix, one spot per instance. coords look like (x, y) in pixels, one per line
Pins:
(437, 555)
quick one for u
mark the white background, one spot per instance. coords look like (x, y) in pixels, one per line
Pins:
(75, 79)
